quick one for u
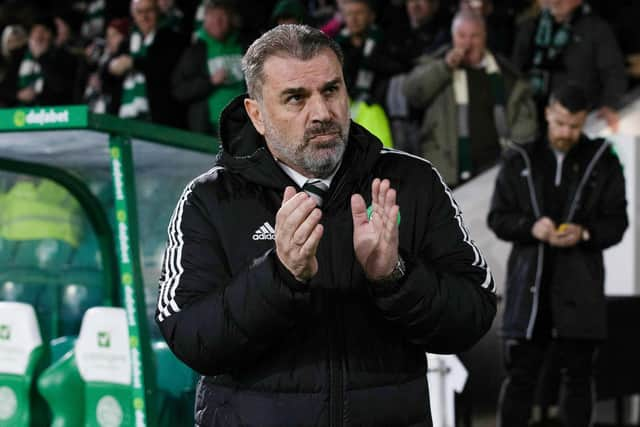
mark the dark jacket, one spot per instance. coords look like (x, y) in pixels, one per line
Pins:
(157, 66)
(191, 85)
(58, 73)
(596, 201)
(592, 59)
(337, 351)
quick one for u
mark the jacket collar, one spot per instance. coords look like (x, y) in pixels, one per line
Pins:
(244, 152)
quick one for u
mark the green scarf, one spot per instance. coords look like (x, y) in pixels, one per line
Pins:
(93, 22)
(225, 55)
(461, 96)
(198, 20)
(30, 73)
(549, 45)
(135, 104)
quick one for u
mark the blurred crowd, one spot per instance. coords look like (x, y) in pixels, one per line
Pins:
(450, 80)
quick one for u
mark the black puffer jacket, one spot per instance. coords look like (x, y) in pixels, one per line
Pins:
(336, 352)
(596, 201)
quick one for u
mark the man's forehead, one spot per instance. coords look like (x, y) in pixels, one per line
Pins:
(468, 25)
(565, 114)
(282, 70)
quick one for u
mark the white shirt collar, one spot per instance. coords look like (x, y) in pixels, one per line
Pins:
(300, 179)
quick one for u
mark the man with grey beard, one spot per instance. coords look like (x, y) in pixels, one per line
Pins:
(308, 272)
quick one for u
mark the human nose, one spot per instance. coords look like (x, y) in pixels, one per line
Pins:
(319, 109)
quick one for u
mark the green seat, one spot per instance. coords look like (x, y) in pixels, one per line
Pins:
(60, 346)
(104, 362)
(21, 354)
(40, 296)
(63, 390)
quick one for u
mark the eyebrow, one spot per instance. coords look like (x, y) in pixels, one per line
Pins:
(302, 90)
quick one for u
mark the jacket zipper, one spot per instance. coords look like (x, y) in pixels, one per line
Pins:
(536, 210)
(583, 180)
(536, 295)
(336, 398)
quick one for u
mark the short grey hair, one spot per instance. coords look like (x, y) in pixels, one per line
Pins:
(297, 41)
(468, 15)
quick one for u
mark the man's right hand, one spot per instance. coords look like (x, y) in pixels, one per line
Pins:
(298, 233)
(454, 57)
(543, 228)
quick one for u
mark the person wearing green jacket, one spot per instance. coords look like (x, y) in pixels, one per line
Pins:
(209, 74)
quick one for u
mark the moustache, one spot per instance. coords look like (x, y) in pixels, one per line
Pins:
(323, 128)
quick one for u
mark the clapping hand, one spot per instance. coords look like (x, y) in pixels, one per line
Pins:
(375, 238)
(298, 233)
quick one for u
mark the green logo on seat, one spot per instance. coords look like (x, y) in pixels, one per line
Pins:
(104, 339)
(8, 404)
(108, 412)
(5, 332)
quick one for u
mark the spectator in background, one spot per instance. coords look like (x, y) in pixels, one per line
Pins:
(103, 92)
(334, 24)
(473, 101)
(500, 21)
(424, 32)
(209, 74)
(147, 67)
(320, 11)
(626, 28)
(14, 39)
(170, 16)
(567, 43)
(561, 202)
(66, 32)
(288, 12)
(368, 66)
(367, 61)
(45, 74)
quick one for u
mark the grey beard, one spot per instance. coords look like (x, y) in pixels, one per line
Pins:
(302, 155)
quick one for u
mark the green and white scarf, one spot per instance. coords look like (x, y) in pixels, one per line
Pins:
(30, 73)
(198, 20)
(93, 22)
(549, 45)
(135, 104)
(225, 55)
(461, 96)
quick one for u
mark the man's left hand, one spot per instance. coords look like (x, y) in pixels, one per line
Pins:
(567, 236)
(375, 239)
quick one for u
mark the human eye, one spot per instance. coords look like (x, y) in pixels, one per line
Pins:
(331, 90)
(293, 99)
